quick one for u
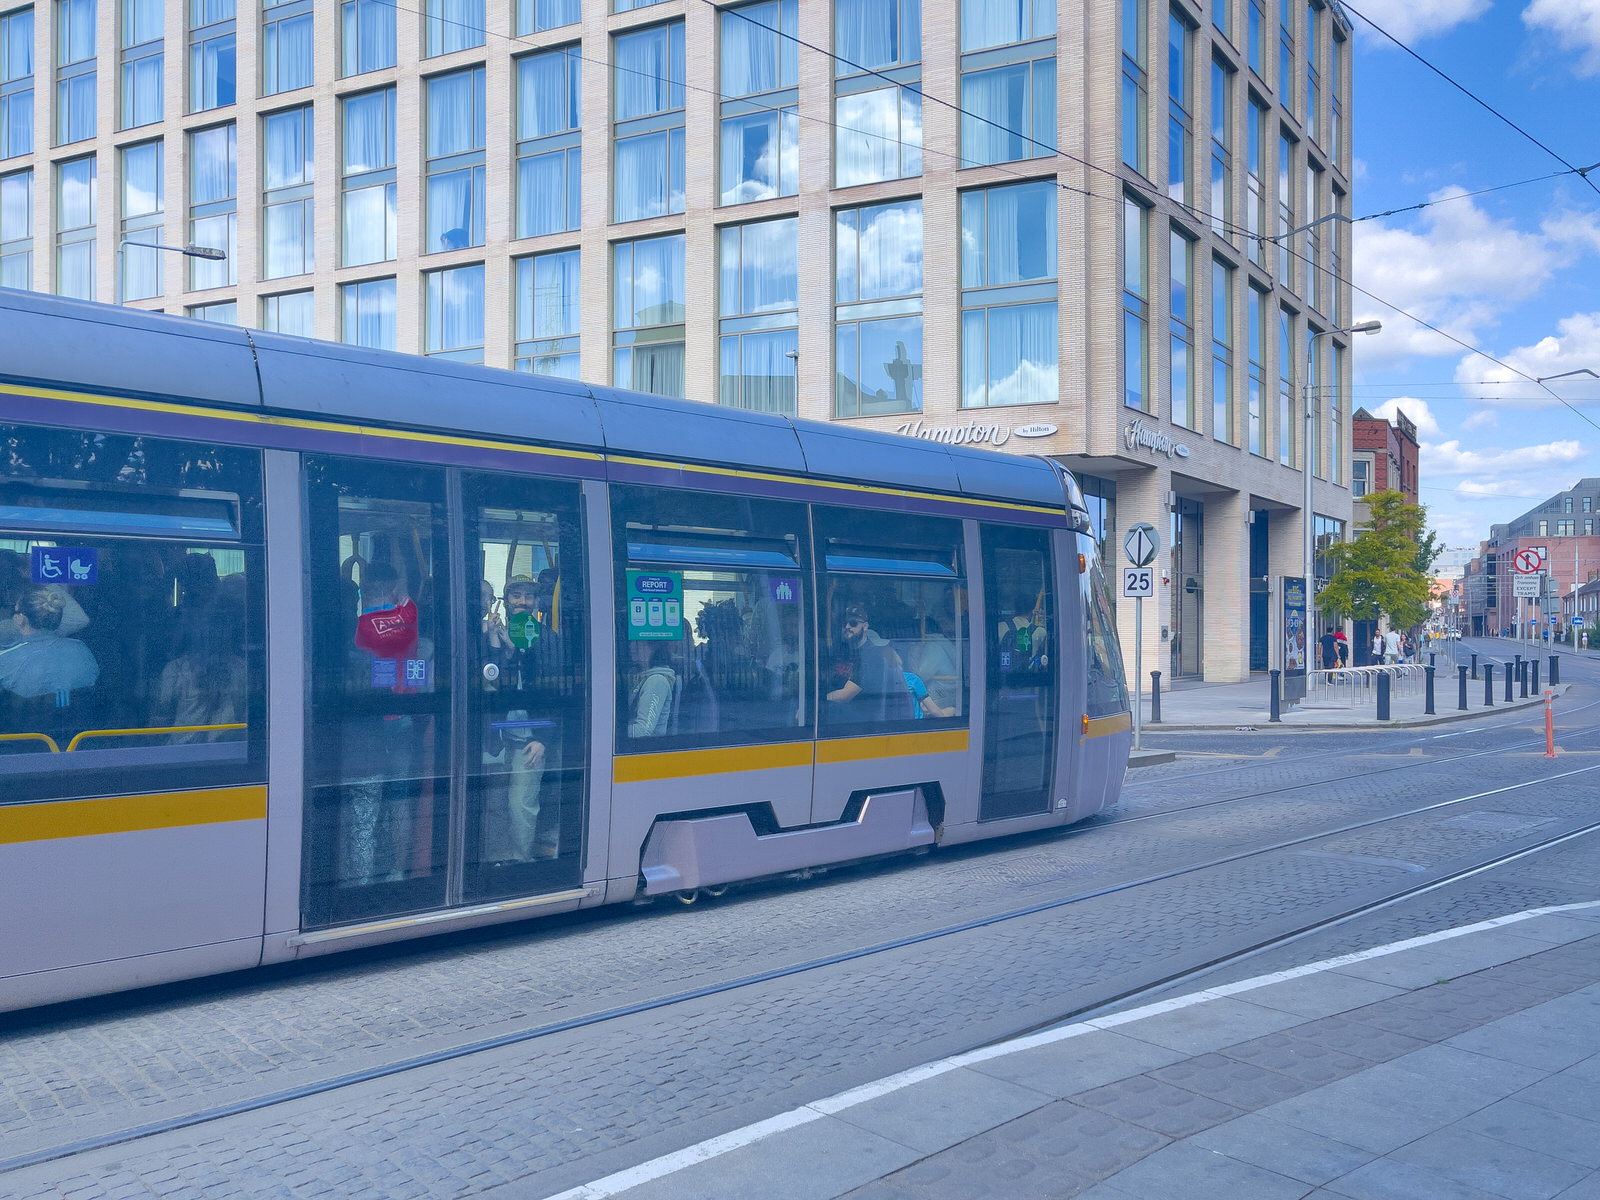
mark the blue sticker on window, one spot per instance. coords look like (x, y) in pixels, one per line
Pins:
(784, 591)
(385, 672)
(416, 673)
(66, 564)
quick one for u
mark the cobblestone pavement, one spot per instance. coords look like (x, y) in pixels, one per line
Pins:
(537, 1116)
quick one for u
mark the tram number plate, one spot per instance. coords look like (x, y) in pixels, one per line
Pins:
(1138, 582)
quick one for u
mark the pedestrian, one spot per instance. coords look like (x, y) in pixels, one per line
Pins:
(1341, 647)
(1391, 647)
(1329, 654)
(1377, 647)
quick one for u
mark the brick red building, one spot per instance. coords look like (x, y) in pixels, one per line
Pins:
(1382, 455)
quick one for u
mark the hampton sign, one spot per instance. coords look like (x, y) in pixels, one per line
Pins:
(1138, 435)
(972, 434)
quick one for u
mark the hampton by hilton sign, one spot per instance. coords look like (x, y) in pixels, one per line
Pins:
(1138, 435)
(973, 434)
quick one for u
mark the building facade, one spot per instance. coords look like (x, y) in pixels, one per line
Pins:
(1125, 222)
(1383, 455)
(1562, 528)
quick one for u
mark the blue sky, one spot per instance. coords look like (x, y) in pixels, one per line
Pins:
(1514, 273)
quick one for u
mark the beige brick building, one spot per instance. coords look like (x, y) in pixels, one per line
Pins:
(1026, 226)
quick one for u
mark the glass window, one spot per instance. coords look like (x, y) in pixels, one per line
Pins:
(1313, 109)
(878, 129)
(1255, 201)
(286, 54)
(224, 312)
(760, 310)
(1257, 319)
(1009, 332)
(378, 772)
(760, 102)
(878, 315)
(367, 314)
(1107, 685)
(371, 226)
(211, 54)
(1221, 205)
(535, 16)
(143, 215)
(143, 62)
(213, 205)
(454, 302)
(1180, 109)
(16, 83)
(1008, 103)
(453, 25)
(1287, 220)
(1588, 502)
(1286, 95)
(549, 158)
(1311, 394)
(134, 660)
(548, 289)
(75, 71)
(893, 653)
(75, 229)
(1135, 86)
(1286, 342)
(622, 6)
(1336, 416)
(455, 160)
(648, 315)
(291, 312)
(713, 619)
(1566, 504)
(1222, 352)
(1336, 102)
(1135, 305)
(1184, 410)
(367, 35)
(984, 24)
(16, 230)
(1256, 38)
(647, 90)
(1222, 17)
(1359, 482)
(1020, 692)
(288, 162)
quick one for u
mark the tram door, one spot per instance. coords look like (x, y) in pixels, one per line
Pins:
(1020, 680)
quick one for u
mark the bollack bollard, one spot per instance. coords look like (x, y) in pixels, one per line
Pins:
(1522, 678)
(1533, 681)
(1276, 701)
(1555, 669)
(1488, 685)
(1155, 697)
(1433, 658)
(1474, 664)
(1383, 696)
(1427, 707)
(1511, 681)
(1461, 671)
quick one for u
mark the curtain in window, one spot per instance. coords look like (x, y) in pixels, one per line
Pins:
(869, 136)
(77, 98)
(141, 22)
(657, 369)
(555, 296)
(287, 157)
(998, 22)
(750, 150)
(653, 293)
(769, 266)
(369, 225)
(294, 313)
(1021, 242)
(16, 48)
(369, 314)
(454, 25)
(545, 104)
(455, 206)
(77, 194)
(141, 91)
(645, 175)
(211, 165)
(649, 72)
(455, 308)
(369, 40)
(877, 33)
(16, 124)
(454, 121)
(141, 180)
(369, 131)
(204, 12)
(75, 270)
(16, 206)
(220, 232)
(765, 372)
(993, 122)
(287, 234)
(77, 30)
(890, 248)
(141, 269)
(288, 54)
(542, 193)
(1023, 349)
(211, 67)
(754, 57)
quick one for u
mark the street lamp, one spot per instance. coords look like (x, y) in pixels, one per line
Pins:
(1308, 469)
(191, 251)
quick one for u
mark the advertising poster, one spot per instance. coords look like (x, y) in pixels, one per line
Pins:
(655, 606)
(1294, 626)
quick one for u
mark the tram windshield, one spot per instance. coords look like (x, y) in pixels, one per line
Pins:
(1107, 684)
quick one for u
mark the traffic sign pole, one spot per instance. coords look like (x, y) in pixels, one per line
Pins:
(1141, 546)
(1138, 670)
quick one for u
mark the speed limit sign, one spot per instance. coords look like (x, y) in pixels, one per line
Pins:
(1138, 582)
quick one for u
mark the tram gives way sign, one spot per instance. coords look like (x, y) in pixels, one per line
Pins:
(1142, 544)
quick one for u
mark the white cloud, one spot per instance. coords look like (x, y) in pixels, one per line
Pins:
(1459, 272)
(1575, 346)
(1575, 24)
(1448, 458)
(1496, 489)
(1484, 418)
(1412, 20)
(1418, 410)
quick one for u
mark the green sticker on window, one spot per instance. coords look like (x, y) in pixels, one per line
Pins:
(655, 606)
(523, 630)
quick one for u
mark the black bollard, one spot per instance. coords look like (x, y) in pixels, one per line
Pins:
(1555, 669)
(1462, 672)
(1474, 664)
(1511, 680)
(1488, 685)
(1522, 677)
(1533, 684)
(1155, 697)
(1433, 658)
(1383, 696)
(1427, 706)
(1275, 697)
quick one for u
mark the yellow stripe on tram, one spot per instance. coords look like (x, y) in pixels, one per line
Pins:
(893, 745)
(642, 768)
(128, 814)
(1096, 727)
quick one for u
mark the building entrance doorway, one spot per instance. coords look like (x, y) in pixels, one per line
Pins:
(1188, 588)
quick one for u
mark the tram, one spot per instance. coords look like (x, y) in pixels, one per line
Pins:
(305, 647)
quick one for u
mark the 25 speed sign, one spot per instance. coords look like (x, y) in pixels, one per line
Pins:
(1138, 582)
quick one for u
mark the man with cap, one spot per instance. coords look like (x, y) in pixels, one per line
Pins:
(526, 654)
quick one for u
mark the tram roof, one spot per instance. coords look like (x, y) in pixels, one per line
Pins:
(106, 348)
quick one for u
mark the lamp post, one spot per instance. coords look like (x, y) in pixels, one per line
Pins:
(1308, 469)
(191, 251)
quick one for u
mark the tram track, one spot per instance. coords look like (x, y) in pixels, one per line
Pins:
(255, 1104)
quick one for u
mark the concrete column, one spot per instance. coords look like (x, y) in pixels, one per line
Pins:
(1227, 584)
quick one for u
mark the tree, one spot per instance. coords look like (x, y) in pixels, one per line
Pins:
(1378, 573)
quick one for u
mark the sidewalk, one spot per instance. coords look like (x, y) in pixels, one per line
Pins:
(1194, 705)
(1461, 1064)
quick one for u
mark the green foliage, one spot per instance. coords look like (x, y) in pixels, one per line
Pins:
(1429, 548)
(1378, 572)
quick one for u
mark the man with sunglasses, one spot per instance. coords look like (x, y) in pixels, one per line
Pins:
(870, 679)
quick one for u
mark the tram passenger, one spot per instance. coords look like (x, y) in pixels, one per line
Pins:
(936, 660)
(651, 698)
(873, 679)
(378, 750)
(206, 683)
(41, 662)
(529, 658)
(17, 578)
(1024, 635)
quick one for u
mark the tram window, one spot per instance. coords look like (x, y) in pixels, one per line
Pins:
(1107, 686)
(894, 648)
(378, 762)
(713, 614)
(130, 615)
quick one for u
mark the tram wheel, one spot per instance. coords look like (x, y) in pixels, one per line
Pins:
(687, 897)
(716, 893)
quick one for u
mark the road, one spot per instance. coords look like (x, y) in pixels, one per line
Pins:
(530, 1060)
